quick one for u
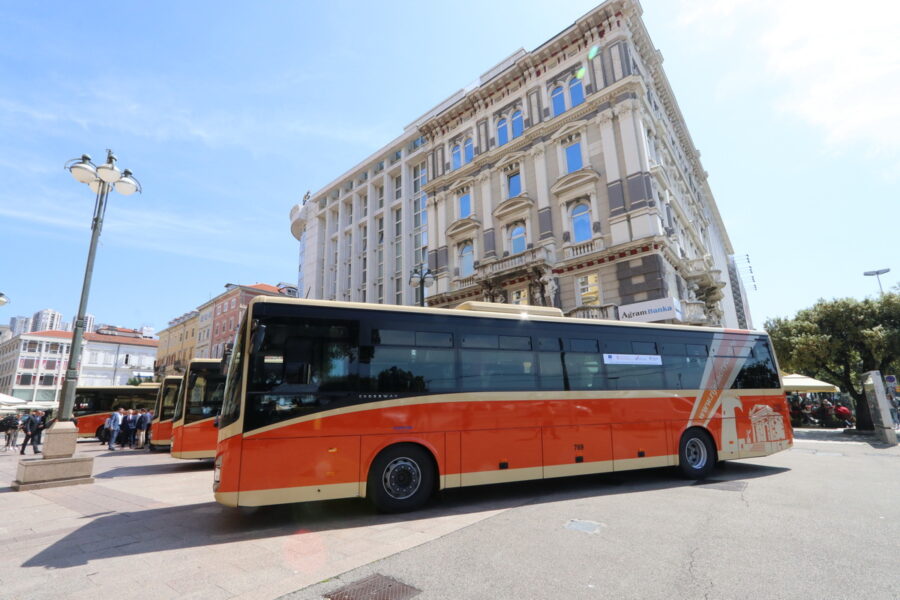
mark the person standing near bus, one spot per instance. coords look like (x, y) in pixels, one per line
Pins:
(143, 421)
(129, 428)
(115, 424)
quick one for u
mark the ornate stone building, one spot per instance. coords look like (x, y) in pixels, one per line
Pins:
(564, 176)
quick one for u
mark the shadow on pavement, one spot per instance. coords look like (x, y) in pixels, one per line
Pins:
(210, 523)
(188, 466)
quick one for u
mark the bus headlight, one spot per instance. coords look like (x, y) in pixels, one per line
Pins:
(217, 473)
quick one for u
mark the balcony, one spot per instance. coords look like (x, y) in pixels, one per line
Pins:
(607, 311)
(464, 282)
(532, 257)
(584, 248)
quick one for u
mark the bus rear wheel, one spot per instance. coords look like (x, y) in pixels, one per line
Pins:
(401, 479)
(101, 433)
(696, 454)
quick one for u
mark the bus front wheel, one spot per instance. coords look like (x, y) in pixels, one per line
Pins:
(401, 478)
(696, 454)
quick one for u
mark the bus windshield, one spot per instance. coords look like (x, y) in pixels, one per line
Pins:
(169, 395)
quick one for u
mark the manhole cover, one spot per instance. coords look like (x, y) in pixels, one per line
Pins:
(728, 486)
(374, 587)
(584, 526)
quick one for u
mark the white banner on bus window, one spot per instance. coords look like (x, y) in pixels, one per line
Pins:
(632, 359)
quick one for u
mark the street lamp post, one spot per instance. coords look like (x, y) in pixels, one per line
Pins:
(59, 466)
(421, 277)
(100, 180)
(878, 275)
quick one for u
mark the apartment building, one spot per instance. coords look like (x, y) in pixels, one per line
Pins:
(33, 365)
(564, 176)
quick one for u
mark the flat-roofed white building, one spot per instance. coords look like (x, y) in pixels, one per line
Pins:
(564, 176)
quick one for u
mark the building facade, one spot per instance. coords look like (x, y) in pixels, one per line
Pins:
(204, 332)
(176, 344)
(47, 320)
(20, 325)
(33, 365)
(564, 176)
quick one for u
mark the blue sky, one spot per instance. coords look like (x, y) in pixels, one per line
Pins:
(227, 114)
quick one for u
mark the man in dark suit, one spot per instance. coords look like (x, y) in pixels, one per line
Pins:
(129, 428)
(33, 426)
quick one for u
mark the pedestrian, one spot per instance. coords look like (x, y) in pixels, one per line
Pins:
(10, 427)
(142, 425)
(129, 428)
(30, 426)
(149, 428)
(39, 431)
(115, 423)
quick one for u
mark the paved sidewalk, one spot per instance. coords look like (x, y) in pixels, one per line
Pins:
(149, 528)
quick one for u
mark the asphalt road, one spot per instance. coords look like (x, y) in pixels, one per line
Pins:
(821, 520)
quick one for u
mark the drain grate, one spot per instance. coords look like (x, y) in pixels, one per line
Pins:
(727, 486)
(374, 587)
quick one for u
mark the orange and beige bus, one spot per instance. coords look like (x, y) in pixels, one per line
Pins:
(194, 433)
(335, 400)
(94, 404)
(161, 425)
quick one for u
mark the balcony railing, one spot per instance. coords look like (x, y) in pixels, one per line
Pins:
(464, 282)
(607, 311)
(535, 255)
(584, 248)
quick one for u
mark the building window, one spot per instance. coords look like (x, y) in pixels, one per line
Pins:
(502, 132)
(379, 191)
(558, 99)
(581, 223)
(517, 242)
(466, 259)
(465, 206)
(514, 184)
(468, 151)
(576, 92)
(456, 157)
(517, 124)
(573, 157)
(519, 296)
(587, 290)
(398, 187)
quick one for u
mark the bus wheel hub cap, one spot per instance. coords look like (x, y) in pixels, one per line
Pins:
(695, 452)
(401, 478)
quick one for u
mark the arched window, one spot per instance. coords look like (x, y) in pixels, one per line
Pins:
(457, 157)
(581, 223)
(517, 125)
(558, 99)
(466, 259)
(502, 132)
(468, 151)
(517, 239)
(576, 92)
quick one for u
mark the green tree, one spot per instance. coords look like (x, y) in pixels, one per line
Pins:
(839, 340)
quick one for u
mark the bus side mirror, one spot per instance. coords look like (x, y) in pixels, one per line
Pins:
(259, 335)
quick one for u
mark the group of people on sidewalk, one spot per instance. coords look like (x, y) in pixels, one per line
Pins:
(128, 428)
(32, 425)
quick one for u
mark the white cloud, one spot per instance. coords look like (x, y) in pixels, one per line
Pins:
(836, 68)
